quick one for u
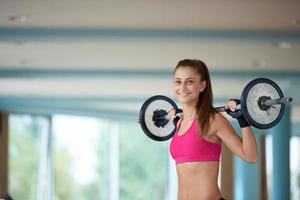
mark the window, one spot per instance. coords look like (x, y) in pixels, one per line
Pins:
(144, 165)
(25, 135)
(294, 166)
(83, 158)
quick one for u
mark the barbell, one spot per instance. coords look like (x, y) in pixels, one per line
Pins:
(262, 104)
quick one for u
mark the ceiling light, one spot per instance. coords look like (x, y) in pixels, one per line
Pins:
(259, 64)
(17, 18)
(296, 21)
(24, 62)
(283, 45)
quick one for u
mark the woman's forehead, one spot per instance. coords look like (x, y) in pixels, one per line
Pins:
(186, 72)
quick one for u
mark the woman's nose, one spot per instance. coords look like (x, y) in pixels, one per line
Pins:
(182, 86)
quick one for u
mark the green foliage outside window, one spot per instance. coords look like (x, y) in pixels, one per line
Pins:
(143, 165)
(24, 155)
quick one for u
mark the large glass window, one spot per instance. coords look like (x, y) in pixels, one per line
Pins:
(143, 165)
(81, 159)
(294, 166)
(25, 133)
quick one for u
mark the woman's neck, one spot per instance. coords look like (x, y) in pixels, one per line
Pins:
(189, 112)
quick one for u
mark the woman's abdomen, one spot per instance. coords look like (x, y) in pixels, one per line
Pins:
(198, 181)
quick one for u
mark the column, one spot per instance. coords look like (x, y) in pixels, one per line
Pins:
(3, 154)
(247, 184)
(263, 168)
(281, 157)
(226, 173)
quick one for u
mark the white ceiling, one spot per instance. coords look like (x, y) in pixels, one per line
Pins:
(148, 55)
(243, 37)
(155, 14)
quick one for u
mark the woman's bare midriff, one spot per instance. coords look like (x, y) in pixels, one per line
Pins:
(198, 181)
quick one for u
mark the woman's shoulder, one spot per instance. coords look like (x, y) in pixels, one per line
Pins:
(220, 123)
(219, 119)
(218, 116)
(215, 125)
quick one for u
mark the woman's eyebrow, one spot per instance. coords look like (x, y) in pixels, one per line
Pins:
(189, 78)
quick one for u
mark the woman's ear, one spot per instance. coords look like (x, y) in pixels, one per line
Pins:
(202, 85)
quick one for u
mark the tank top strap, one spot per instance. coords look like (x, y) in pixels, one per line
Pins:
(178, 125)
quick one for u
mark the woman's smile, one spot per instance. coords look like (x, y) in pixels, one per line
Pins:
(184, 94)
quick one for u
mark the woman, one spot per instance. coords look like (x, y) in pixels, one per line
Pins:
(196, 145)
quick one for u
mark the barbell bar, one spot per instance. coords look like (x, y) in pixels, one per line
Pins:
(262, 104)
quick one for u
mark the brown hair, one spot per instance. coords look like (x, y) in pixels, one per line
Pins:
(204, 107)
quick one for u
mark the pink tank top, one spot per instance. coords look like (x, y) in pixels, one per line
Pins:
(191, 147)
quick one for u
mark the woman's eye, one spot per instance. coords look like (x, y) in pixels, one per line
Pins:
(190, 82)
(177, 82)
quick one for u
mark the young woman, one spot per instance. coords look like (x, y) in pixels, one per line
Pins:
(196, 145)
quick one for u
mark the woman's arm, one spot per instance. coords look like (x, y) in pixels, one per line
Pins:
(245, 147)
(249, 144)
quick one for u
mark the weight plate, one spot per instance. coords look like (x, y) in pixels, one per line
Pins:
(259, 118)
(158, 102)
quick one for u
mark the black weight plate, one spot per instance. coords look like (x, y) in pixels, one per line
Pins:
(249, 103)
(158, 102)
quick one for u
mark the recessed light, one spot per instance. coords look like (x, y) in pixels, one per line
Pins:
(296, 21)
(18, 42)
(24, 62)
(17, 18)
(283, 45)
(259, 64)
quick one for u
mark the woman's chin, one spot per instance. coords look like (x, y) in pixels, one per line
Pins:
(184, 100)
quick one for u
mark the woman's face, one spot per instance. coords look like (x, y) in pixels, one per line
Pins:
(187, 85)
